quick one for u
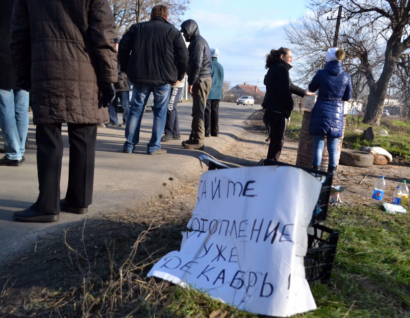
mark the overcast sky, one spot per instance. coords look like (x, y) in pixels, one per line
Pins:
(244, 31)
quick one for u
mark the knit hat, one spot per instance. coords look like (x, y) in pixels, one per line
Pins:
(214, 52)
(335, 54)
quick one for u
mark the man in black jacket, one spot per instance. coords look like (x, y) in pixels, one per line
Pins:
(158, 59)
(13, 101)
(199, 80)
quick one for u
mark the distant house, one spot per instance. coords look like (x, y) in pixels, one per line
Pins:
(392, 105)
(353, 107)
(245, 89)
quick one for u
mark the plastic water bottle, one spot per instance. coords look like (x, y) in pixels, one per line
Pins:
(397, 196)
(379, 190)
(404, 194)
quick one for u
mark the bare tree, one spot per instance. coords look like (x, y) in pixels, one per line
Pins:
(128, 12)
(375, 34)
(312, 37)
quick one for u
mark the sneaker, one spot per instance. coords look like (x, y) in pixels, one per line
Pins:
(102, 125)
(126, 151)
(112, 124)
(8, 162)
(166, 138)
(176, 137)
(193, 145)
(158, 152)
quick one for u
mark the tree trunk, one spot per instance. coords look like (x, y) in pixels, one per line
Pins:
(378, 90)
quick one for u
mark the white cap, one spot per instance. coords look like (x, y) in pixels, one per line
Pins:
(214, 52)
(331, 54)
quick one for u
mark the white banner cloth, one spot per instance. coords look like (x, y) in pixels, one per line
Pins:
(248, 239)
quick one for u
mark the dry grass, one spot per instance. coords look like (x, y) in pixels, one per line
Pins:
(98, 268)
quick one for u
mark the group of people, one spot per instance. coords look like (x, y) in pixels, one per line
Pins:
(334, 86)
(75, 68)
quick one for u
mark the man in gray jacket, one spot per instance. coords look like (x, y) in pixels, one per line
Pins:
(199, 80)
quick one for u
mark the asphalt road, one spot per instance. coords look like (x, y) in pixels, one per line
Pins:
(122, 181)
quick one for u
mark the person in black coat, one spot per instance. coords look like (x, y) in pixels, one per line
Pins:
(278, 102)
(199, 80)
(154, 56)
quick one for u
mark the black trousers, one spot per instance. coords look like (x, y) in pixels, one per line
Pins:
(50, 147)
(277, 126)
(212, 117)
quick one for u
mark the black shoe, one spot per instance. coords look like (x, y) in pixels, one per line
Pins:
(214, 135)
(65, 207)
(30, 215)
(8, 162)
(193, 145)
(331, 169)
(206, 135)
(166, 138)
(176, 137)
(2, 150)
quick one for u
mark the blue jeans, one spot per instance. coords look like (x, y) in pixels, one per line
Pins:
(319, 145)
(14, 121)
(140, 96)
(172, 125)
(113, 108)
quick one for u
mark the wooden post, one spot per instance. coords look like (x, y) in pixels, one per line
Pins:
(339, 17)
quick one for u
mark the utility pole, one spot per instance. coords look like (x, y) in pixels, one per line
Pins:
(138, 11)
(339, 17)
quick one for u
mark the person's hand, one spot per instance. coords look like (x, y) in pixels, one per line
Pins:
(24, 84)
(191, 89)
(310, 94)
(106, 94)
(176, 83)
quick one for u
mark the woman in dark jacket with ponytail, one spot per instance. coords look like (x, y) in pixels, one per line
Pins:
(278, 102)
(334, 86)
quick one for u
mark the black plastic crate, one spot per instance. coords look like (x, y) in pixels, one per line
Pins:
(320, 212)
(322, 244)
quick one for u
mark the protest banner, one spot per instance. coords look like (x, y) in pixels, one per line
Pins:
(248, 239)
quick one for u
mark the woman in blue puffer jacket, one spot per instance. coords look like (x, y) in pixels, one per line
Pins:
(335, 86)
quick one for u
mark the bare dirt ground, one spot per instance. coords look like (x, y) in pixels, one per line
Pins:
(359, 182)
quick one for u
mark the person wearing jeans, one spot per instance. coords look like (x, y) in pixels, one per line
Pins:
(335, 86)
(122, 88)
(13, 101)
(172, 125)
(14, 125)
(139, 100)
(124, 96)
(319, 145)
(153, 64)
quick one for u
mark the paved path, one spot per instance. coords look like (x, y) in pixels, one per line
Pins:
(122, 181)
